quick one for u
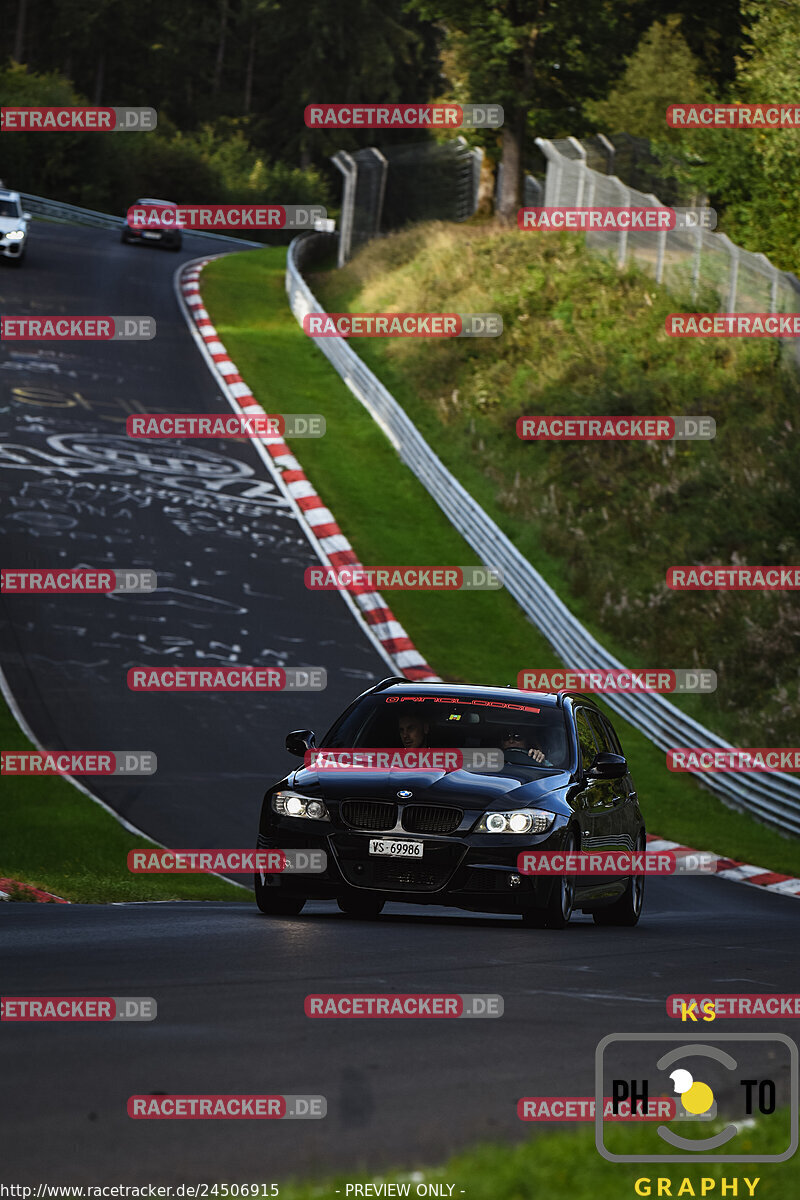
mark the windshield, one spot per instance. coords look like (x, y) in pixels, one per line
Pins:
(9, 208)
(456, 722)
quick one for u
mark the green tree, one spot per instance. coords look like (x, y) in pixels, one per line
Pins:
(753, 175)
(538, 58)
(661, 71)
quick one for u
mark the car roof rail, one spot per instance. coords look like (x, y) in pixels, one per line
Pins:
(388, 681)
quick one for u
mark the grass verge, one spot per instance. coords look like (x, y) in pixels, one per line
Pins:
(54, 837)
(480, 637)
(567, 1165)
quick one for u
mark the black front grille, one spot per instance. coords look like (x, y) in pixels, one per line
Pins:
(424, 818)
(369, 814)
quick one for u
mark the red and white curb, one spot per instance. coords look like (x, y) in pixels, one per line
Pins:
(32, 893)
(325, 535)
(736, 872)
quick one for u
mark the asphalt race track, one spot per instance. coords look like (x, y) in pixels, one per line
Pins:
(230, 987)
(76, 491)
(229, 983)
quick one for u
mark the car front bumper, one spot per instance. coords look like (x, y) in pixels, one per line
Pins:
(476, 871)
(13, 249)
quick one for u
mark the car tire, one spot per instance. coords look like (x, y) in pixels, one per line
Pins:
(273, 902)
(19, 260)
(558, 910)
(361, 908)
(627, 910)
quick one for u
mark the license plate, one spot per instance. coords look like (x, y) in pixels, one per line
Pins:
(152, 235)
(393, 848)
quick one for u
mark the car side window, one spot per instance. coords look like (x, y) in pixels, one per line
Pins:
(586, 742)
(600, 731)
(614, 741)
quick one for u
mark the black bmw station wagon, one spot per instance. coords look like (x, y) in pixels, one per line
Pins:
(452, 835)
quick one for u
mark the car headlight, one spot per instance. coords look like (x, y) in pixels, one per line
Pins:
(292, 804)
(520, 820)
(15, 235)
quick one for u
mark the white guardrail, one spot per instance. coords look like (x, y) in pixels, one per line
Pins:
(72, 214)
(773, 797)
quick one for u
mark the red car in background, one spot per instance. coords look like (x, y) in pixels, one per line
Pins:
(168, 235)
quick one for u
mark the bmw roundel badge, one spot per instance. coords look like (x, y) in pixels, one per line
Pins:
(404, 794)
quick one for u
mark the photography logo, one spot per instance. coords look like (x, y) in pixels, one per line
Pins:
(737, 1072)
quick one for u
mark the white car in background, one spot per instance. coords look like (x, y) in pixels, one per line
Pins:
(13, 226)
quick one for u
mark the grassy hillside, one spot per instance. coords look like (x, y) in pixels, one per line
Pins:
(389, 517)
(603, 521)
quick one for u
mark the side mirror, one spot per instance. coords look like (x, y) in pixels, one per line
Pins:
(608, 766)
(27, 217)
(300, 740)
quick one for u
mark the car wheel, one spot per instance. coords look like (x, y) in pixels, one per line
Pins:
(275, 903)
(628, 909)
(364, 908)
(557, 913)
(18, 261)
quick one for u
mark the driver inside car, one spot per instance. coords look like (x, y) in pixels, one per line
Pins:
(515, 739)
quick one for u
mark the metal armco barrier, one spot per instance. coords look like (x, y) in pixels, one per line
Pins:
(72, 214)
(771, 796)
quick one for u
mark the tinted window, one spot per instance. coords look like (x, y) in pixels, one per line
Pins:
(455, 721)
(612, 735)
(600, 731)
(586, 742)
(9, 208)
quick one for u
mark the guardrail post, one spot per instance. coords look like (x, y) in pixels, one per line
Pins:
(611, 152)
(662, 241)
(346, 164)
(581, 173)
(622, 252)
